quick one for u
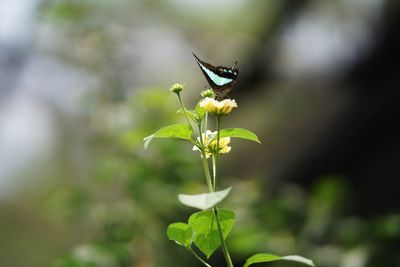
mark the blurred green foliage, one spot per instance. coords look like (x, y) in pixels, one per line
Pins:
(131, 198)
(115, 212)
(125, 202)
(121, 210)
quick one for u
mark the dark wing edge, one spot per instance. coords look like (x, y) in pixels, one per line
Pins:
(211, 68)
(235, 65)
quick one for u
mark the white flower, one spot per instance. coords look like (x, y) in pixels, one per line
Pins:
(210, 144)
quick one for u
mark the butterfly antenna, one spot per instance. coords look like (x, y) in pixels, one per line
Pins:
(195, 56)
(234, 65)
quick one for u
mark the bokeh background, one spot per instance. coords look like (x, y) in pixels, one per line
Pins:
(82, 82)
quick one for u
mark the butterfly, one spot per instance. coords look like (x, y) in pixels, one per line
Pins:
(221, 79)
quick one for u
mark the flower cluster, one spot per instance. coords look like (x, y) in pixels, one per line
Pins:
(216, 107)
(210, 144)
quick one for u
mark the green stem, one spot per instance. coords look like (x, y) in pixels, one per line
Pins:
(207, 172)
(221, 236)
(205, 161)
(198, 257)
(215, 156)
(184, 111)
(214, 162)
(205, 122)
(216, 213)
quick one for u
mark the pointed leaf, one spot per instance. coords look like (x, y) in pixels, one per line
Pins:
(239, 133)
(181, 233)
(205, 228)
(179, 130)
(204, 201)
(263, 257)
(191, 113)
(200, 111)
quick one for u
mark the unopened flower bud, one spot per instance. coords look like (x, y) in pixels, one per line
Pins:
(176, 88)
(208, 93)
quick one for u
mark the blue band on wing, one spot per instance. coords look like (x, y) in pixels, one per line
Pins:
(218, 80)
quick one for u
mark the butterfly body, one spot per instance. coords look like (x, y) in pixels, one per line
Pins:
(221, 79)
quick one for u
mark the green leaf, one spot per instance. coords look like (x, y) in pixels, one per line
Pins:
(181, 233)
(195, 115)
(191, 114)
(239, 133)
(204, 201)
(205, 228)
(179, 130)
(263, 257)
(200, 111)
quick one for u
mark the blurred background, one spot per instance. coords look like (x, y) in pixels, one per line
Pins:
(82, 82)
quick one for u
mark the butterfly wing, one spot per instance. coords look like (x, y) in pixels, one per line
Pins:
(221, 79)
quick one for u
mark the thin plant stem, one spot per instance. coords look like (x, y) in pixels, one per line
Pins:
(221, 236)
(214, 162)
(205, 166)
(198, 257)
(216, 213)
(205, 161)
(215, 156)
(207, 172)
(184, 111)
(187, 119)
(205, 121)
